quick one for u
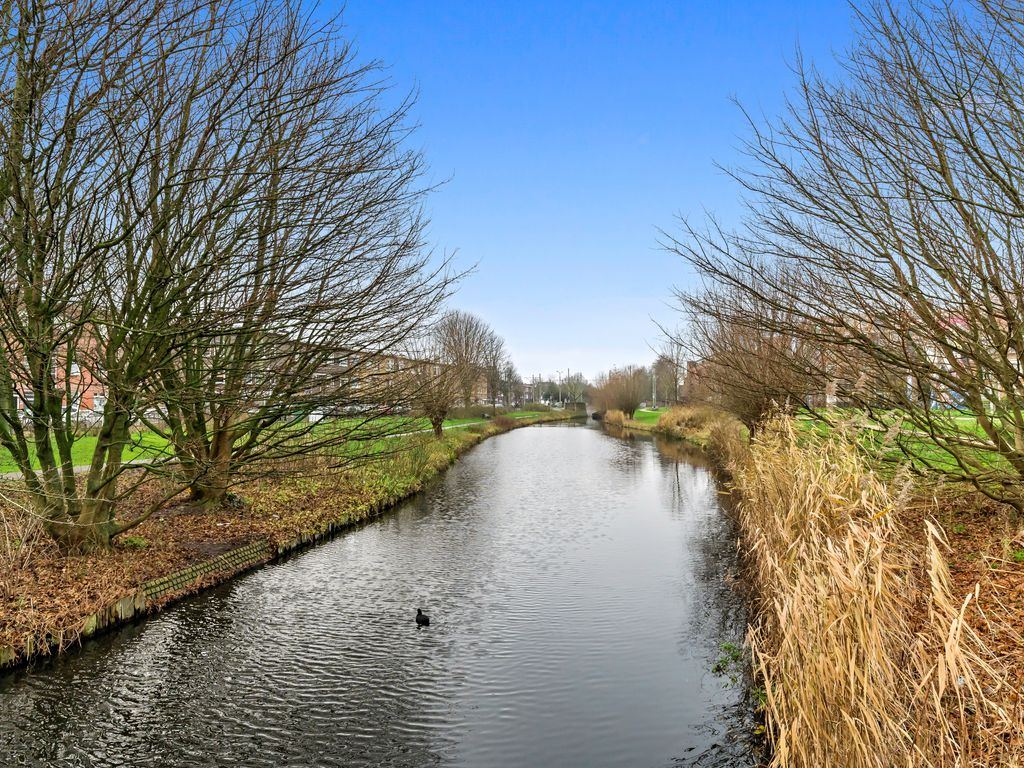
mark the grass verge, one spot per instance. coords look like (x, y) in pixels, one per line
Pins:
(147, 445)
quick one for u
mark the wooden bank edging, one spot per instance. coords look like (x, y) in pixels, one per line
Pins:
(156, 594)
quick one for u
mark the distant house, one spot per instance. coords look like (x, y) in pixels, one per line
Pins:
(480, 393)
(374, 380)
(85, 393)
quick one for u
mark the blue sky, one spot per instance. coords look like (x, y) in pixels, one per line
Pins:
(567, 132)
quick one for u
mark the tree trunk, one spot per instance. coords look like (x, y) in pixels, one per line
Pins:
(210, 487)
(92, 530)
(438, 425)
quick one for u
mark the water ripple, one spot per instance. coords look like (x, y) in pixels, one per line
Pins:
(576, 589)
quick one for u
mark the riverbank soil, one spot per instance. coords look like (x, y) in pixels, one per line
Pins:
(50, 594)
(46, 595)
(986, 548)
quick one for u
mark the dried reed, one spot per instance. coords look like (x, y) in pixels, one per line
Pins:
(865, 654)
(614, 418)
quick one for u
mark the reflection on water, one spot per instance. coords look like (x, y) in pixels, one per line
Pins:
(577, 585)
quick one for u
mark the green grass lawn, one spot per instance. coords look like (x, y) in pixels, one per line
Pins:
(395, 425)
(405, 432)
(146, 445)
(647, 416)
(912, 445)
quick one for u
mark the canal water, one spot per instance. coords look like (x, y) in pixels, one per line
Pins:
(578, 588)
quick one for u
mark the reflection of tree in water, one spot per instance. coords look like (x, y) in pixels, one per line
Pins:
(680, 451)
(717, 610)
(628, 457)
(688, 464)
(670, 452)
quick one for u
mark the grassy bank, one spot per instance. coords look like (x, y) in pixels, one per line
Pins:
(46, 597)
(713, 431)
(148, 445)
(886, 627)
(648, 416)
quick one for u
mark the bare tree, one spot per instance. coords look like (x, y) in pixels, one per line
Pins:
(322, 277)
(511, 384)
(466, 338)
(883, 232)
(204, 209)
(494, 360)
(575, 387)
(622, 389)
(669, 370)
(432, 378)
(750, 365)
(79, 84)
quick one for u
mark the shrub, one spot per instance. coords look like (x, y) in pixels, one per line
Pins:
(614, 418)
(504, 422)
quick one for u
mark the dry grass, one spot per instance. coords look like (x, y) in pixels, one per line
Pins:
(504, 422)
(688, 419)
(21, 532)
(718, 432)
(614, 418)
(726, 441)
(865, 652)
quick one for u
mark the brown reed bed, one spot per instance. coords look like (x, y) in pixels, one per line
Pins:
(868, 651)
(614, 418)
(717, 432)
